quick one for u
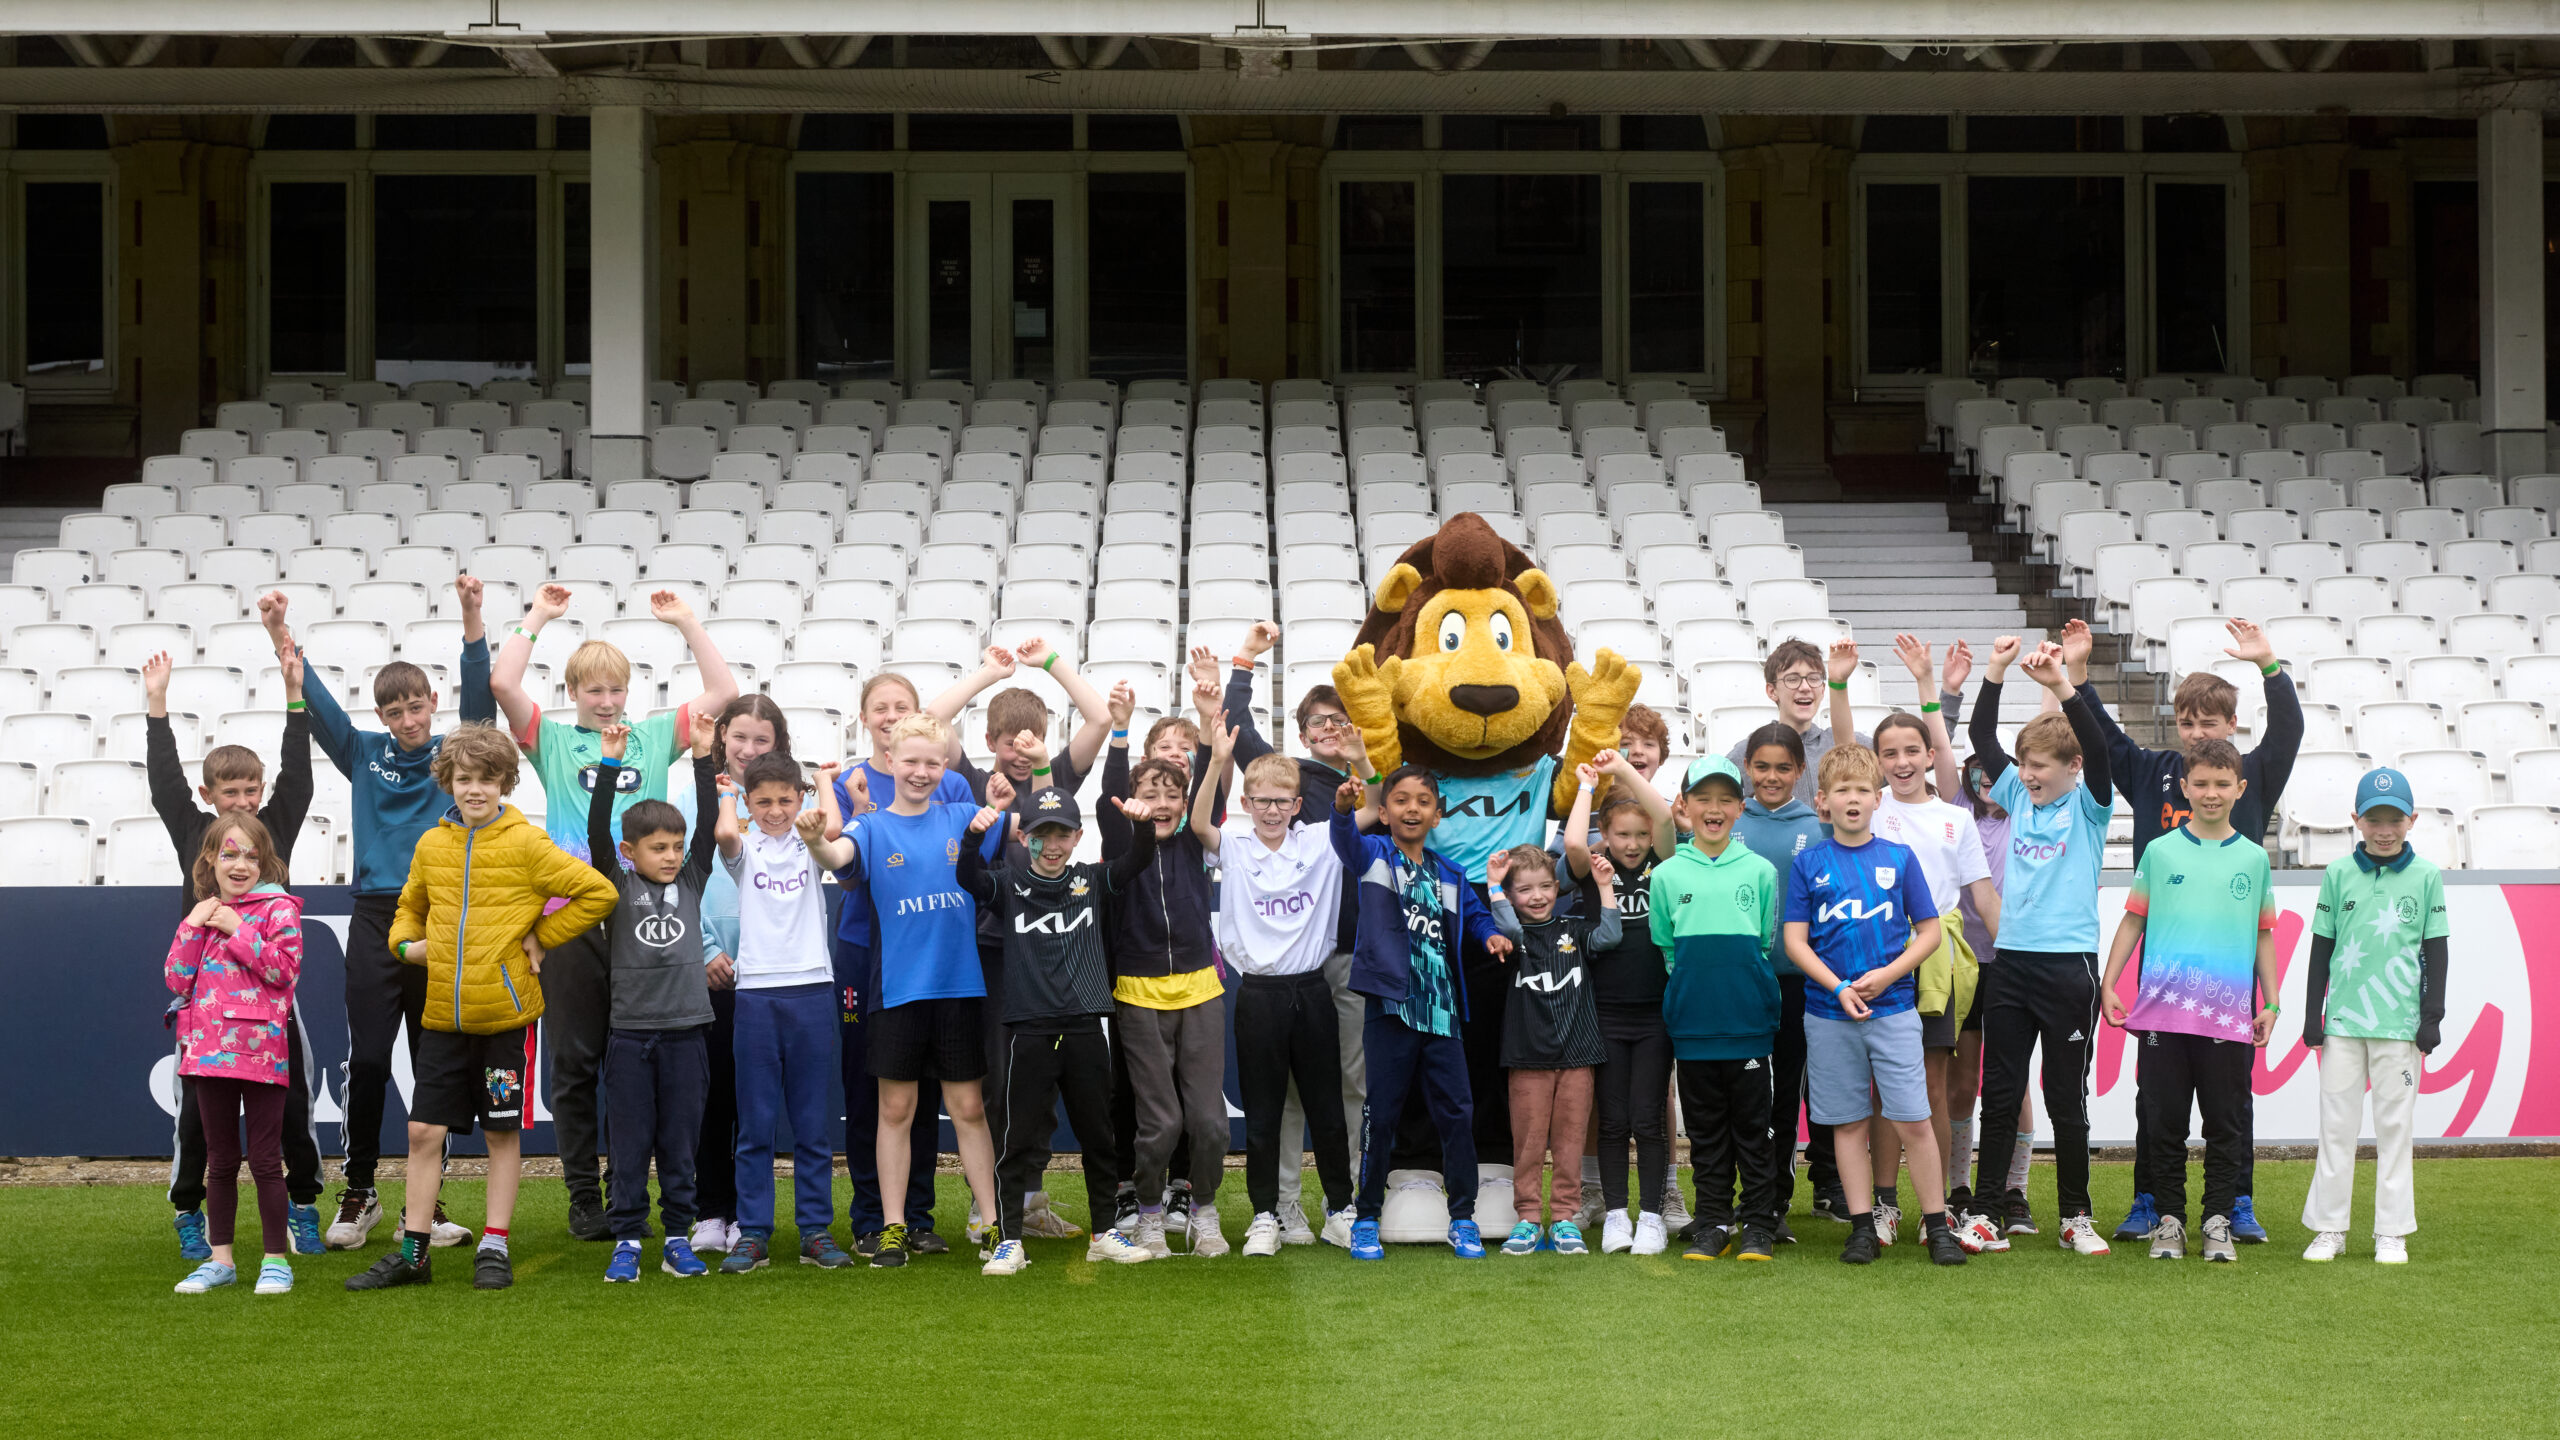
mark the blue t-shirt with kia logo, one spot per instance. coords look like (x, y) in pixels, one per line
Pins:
(1858, 904)
(2049, 896)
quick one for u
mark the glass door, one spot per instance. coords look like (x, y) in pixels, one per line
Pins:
(989, 299)
(2196, 320)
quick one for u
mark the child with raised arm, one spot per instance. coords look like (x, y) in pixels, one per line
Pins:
(1635, 831)
(566, 757)
(1550, 1030)
(233, 964)
(234, 781)
(657, 1067)
(1281, 889)
(396, 802)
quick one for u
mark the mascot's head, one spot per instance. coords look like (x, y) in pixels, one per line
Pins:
(1479, 686)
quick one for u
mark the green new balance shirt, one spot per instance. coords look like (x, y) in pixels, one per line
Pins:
(2378, 912)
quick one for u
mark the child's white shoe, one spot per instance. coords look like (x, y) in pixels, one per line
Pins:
(1293, 1227)
(1040, 1221)
(1150, 1236)
(1116, 1248)
(1617, 1233)
(1652, 1236)
(1208, 1240)
(1337, 1226)
(1008, 1258)
(2390, 1249)
(2328, 1245)
(1262, 1237)
(710, 1237)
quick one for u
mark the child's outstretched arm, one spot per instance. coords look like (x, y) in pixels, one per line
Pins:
(719, 687)
(1606, 928)
(1088, 737)
(996, 668)
(732, 844)
(1984, 727)
(506, 673)
(830, 854)
(611, 744)
(1915, 657)
(1842, 667)
(1124, 869)
(1213, 778)
(478, 705)
(1577, 821)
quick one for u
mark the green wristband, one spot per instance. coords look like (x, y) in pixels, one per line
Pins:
(1931, 707)
(1839, 684)
(1043, 770)
(1375, 780)
(292, 705)
(2271, 667)
(1051, 661)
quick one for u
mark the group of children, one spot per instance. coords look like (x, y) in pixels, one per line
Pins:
(1857, 930)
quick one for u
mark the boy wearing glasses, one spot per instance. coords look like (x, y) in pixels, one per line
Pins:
(1795, 674)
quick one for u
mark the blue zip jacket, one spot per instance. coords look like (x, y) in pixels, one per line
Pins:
(396, 800)
(1381, 958)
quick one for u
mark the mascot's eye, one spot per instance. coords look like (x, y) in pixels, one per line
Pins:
(1453, 631)
(1501, 631)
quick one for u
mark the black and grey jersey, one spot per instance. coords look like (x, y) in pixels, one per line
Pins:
(1551, 1019)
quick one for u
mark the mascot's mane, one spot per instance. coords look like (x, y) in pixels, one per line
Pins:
(1466, 554)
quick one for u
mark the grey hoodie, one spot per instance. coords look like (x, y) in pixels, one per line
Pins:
(655, 931)
(1778, 836)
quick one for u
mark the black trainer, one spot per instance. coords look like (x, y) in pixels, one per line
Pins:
(891, 1249)
(392, 1271)
(492, 1270)
(1831, 1205)
(1862, 1248)
(1708, 1244)
(2021, 1220)
(867, 1245)
(1785, 1235)
(1960, 1200)
(1177, 1206)
(1944, 1248)
(586, 1220)
(926, 1242)
(1757, 1244)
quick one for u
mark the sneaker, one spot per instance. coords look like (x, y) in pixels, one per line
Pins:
(1675, 1210)
(586, 1219)
(2079, 1235)
(1757, 1244)
(1944, 1248)
(2387, 1249)
(867, 1246)
(444, 1234)
(2022, 1221)
(926, 1242)
(1888, 1224)
(1786, 1236)
(1337, 1227)
(1523, 1239)
(302, 1225)
(1117, 1248)
(358, 1212)
(1652, 1235)
(191, 1242)
(2217, 1240)
(1364, 1241)
(275, 1276)
(677, 1259)
(982, 1236)
(892, 1252)
(1862, 1248)
(1466, 1240)
(2141, 1220)
(1979, 1236)
(1262, 1237)
(211, 1275)
(1707, 1242)
(2168, 1238)
(822, 1251)
(392, 1271)
(492, 1270)
(1177, 1207)
(624, 1269)
(1150, 1236)
(1208, 1237)
(1040, 1221)
(1617, 1234)
(1960, 1200)
(1294, 1229)
(750, 1254)
(1567, 1238)
(2328, 1245)
(1009, 1259)
(729, 1235)
(710, 1237)
(1832, 1205)
(1590, 1213)
(1124, 1209)
(2244, 1223)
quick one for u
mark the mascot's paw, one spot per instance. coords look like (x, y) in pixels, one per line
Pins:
(1368, 691)
(1608, 687)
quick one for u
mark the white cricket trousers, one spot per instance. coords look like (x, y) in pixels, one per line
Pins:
(2347, 1068)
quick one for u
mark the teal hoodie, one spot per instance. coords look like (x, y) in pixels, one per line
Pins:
(1716, 921)
(1779, 836)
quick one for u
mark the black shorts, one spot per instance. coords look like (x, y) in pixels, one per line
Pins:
(1973, 1014)
(464, 1080)
(929, 1040)
(1938, 1032)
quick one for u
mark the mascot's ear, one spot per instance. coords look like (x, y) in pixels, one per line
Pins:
(1399, 586)
(1536, 591)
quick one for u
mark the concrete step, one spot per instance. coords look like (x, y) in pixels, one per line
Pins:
(1992, 619)
(1895, 509)
(1935, 551)
(1940, 589)
(1934, 633)
(1905, 570)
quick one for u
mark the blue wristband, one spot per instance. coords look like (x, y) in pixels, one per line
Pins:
(1836, 989)
(607, 762)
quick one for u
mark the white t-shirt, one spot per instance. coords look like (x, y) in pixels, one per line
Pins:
(782, 919)
(1945, 838)
(1277, 908)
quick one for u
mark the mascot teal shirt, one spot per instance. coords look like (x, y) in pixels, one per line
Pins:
(1480, 815)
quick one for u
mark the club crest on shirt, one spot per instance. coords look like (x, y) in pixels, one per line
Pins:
(2239, 887)
(1564, 944)
(1884, 877)
(897, 858)
(951, 851)
(1743, 896)
(1079, 887)
(2406, 908)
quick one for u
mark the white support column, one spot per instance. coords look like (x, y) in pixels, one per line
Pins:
(624, 289)
(2511, 259)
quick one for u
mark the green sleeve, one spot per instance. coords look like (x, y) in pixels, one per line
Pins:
(2438, 923)
(1661, 921)
(2324, 911)
(1768, 908)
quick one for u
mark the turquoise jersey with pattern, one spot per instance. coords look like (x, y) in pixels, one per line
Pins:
(1482, 814)
(1430, 1002)
(2203, 903)
(564, 759)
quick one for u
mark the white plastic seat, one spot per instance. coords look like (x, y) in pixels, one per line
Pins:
(2499, 728)
(2516, 524)
(2515, 837)
(2492, 635)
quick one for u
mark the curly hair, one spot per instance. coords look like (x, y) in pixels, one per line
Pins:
(475, 749)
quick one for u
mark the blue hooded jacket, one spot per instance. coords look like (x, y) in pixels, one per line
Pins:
(1779, 836)
(396, 799)
(1381, 958)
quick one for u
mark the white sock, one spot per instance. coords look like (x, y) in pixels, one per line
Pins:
(493, 1242)
(2019, 1159)
(1959, 1151)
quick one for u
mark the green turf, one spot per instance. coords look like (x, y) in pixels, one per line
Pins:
(1311, 1344)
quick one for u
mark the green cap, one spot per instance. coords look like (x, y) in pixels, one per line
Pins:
(1712, 767)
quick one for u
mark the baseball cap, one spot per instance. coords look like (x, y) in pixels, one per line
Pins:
(1712, 767)
(2385, 786)
(1051, 806)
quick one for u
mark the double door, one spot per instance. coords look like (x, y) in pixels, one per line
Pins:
(998, 255)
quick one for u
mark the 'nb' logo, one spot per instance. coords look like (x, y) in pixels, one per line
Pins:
(1855, 910)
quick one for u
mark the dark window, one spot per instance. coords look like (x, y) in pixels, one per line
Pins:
(950, 303)
(1377, 276)
(2044, 134)
(571, 132)
(1904, 135)
(1138, 291)
(2185, 134)
(61, 132)
(454, 276)
(1662, 132)
(1378, 132)
(453, 132)
(2191, 306)
(845, 251)
(1905, 304)
(1520, 273)
(848, 132)
(1667, 277)
(991, 132)
(2446, 334)
(577, 278)
(1519, 132)
(1132, 132)
(1034, 327)
(307, 278)
(2047, 275)
(66, 277)
(311, 132)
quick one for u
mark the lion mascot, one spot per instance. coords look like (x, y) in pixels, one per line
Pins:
(1462, 668)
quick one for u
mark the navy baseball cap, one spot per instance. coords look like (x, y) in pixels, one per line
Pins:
(2385, 787)
(1051, 806)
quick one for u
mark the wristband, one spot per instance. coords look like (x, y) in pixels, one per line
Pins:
(1839, 684)
(1492, 893)
(1120, 734)
(2274, 1009)
(1375, 780)
(520, 630)
(607, 762)
(2271, 667)
(1584, 789)
(1931, 707)
(1051, 661)
(1836, 989)
(292, 705)
(1242, 662)
(1043, 770)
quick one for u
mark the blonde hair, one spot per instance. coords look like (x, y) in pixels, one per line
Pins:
(1850, 764)
(474, 750)
(2052, 735)
(596, 660)
(922, 725)
(1275, 770)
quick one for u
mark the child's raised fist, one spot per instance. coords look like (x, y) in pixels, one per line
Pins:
(1000, 791)
(706, 733)
(549, 603)
(669, 608)
(1602, 871)
(1497, 866)
(614, 741)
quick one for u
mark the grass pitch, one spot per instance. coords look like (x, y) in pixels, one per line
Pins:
(2030, 1343)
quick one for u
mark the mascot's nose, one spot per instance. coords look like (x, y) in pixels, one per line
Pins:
(1485, 699)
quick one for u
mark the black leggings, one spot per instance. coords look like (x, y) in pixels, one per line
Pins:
(1633, 1082)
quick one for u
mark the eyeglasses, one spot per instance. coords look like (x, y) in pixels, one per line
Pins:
(1801, 682)
(1322, 724)
(1272, 802)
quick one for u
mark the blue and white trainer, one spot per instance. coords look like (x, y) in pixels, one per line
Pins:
(1567, 1238)
(1523, 1239)
(625, 1265)
(191, 1242)
(302, 1223)
(275, 1276)
(1008, 1258)
(2141, 1220)
(211, 1275)
(1364, 1241)
(677, 1259)
(2244, 1223)
(1466, 1240)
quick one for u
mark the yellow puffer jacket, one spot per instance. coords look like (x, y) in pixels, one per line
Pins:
(472, 896)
